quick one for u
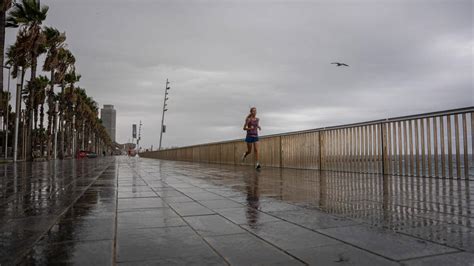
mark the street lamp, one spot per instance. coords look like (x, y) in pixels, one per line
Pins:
(139, 137)
(166, 98)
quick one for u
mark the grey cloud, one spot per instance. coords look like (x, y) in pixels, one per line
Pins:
(224, 56)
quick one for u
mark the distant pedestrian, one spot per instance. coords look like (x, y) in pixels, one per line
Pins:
(252, 126)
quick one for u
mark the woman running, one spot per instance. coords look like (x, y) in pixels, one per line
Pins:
(252, 127)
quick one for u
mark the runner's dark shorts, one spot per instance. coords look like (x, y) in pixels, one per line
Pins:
(251, 139)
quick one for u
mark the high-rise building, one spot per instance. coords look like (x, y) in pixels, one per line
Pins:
(108, 114)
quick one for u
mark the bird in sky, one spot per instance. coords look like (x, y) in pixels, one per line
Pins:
(340, 64)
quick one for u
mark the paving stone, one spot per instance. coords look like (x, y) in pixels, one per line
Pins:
(289, 236)
(339, 254)
(15, 242)
(148, 218)
(177, 199)
(140, 203)
(204, 196)
(313, 219)
(169, 193)
(191, 260)
(82, 230)
(89, 212)
(246, 215)
(274, 205)
(134, 189)
(138, 194)
(385, 243)
(220, 204)
(77, 253)
(209, 225)
(453, 259)
(165, 244)
(245, 249)
(190, 208)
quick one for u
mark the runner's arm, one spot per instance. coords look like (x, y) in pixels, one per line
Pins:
(245, 125)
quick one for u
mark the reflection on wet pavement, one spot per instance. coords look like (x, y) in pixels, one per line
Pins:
(34, 195)
(144, 211)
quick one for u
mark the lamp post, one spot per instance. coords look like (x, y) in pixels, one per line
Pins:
(8, 112)
(139, 137)
(163, 127)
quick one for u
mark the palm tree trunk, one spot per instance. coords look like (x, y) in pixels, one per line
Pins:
(18, 113)
(51, 130)
(3, 10)
(69, 139)
(36, 105)
(35, 124)
(31, 107)
(83, 135)
(61, 126)
(66, 137)
(63, 129)
(41, 132)
(25, 135)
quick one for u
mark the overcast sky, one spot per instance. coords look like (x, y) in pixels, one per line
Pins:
(222, 57)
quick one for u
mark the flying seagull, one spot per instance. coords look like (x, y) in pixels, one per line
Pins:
(339, 64)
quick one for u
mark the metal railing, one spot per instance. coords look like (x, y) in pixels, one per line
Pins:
(432, 144)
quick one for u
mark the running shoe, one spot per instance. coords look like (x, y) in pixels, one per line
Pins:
(243, 157)
(258, 166)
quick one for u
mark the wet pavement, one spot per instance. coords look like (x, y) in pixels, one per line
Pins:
(135, 211)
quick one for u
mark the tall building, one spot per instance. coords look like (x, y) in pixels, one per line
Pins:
(108, 115)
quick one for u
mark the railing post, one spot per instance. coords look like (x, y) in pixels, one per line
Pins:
(383, 131)
(281, 154)
(234, 152)
(320, 150)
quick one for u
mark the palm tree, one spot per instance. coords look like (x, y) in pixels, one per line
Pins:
(86, 112)
(81, 111)
(29, 15)
(4, 97)
(54, 43)
(66, 61)
(52, 98)
(93, 116)
(69, 102)
(55, 48)
(40, 84)
(18, 59)
(4, 6)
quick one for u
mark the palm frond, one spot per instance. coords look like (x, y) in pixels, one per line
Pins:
(26, 13)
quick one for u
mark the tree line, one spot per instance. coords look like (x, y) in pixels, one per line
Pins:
(70, 113)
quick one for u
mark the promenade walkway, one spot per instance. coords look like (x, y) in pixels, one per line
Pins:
(135, 211)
